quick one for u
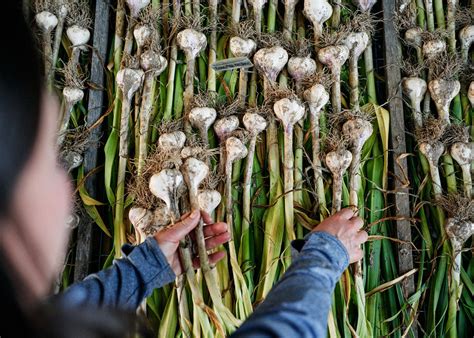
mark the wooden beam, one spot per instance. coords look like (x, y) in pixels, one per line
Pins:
(398, 143)
(95, 107)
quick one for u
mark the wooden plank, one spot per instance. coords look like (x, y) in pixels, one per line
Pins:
(95, 107)
(398, 143)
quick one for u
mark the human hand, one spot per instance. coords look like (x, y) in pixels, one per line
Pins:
(345, 226)
(168, 239)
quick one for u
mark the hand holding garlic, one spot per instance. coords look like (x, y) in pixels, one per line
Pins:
(346, 227)
(168, 239)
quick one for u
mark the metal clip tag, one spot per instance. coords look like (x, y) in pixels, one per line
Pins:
(231, 63)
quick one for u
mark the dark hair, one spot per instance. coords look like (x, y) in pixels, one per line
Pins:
(53, 320)
(20, 96)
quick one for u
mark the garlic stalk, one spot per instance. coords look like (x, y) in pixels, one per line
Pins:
(46, 21)
(433, 152)
(443, 92)
(470, 94)
(466, 37)
(241, 47)
(168, 142)
(194, 172)
(334, 57)
(136, 6)
(202, 118)
(431, 50)
(451, 26)
(63, 10)
(192, 43)
(129, 81)
(356, 43)
(235, 150)
(165, 186)
(415, 88)
(141, 219)
(71, 95)
(365, 6)
(289, 112)
(429, 15)
(153, 64)
(223, 128)
(463, 154)
(173, 57)
(288, 18)
(236, 4)
(300, 68)
(357, 131)
(317, 97)
(458, 231)
(270, 62)
(213, 17)
(257, 9)
(337, 162)
(318, 12)
(414, 38)
(255, 124)
(78, 36)
(142, 35)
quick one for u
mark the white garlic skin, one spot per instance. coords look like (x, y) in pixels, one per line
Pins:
(241, 47)
(270, 61)
(301, 67)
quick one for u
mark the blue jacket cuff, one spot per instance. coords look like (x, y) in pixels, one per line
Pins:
(318, 239)
(150, 260)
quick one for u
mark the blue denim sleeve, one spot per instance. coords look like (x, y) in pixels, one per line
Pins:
(299, 303)
(126, 283)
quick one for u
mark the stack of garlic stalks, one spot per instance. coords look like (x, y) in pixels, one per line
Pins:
(438, 86)
(271, 149)
(63, 30)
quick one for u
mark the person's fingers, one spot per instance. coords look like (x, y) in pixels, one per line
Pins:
(216, 257)
(185, 215)
(215, 241)
(212, 230)
(346, 213)
(187, 224)
(206, 217)
(215, 229)
(213, 259)
(361, 237)
(357, 222)
(357, 255)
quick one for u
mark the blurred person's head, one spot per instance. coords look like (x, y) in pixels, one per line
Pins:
(35, 198)
(34, 192)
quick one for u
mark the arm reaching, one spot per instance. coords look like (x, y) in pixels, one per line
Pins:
(127, 282)
(143, 268)
(298, 305)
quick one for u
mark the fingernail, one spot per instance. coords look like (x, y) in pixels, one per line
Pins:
(195, 213)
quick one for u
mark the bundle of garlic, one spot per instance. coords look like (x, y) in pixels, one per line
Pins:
(436, 51)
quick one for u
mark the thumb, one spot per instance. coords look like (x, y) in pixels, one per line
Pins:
(188, 223)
